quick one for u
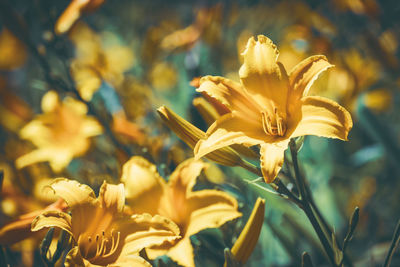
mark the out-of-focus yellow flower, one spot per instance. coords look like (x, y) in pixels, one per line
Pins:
(270, 106)
(97, 61)
(353, 74)
(378, 100)
(163, 76)
(136, 97)
(248, 238)
(101, 232)
(192, 210)
(12, 51)
(73, 12)
(61, 133)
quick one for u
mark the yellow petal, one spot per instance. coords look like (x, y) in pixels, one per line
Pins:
(118, 60)
(75, 106)
(303, 75)
(70, 15)
(190, 134)
(230, 94)
(261, 75)
(323, 117)
(231, 129)
(52, 219)
(163, 76)
(72, 192)
(184, 176)
(379, 100)
(87, 42)
(182, 253)
(36, 132)
(272, 156)
(129, 261)
(58, 158)
(143, 231)
(210, 209)
(143, 185)
(91, 127)
(248, 238)
(50, 101)
(38, 155)
(186, 131)
(87, 80)
(112, 197)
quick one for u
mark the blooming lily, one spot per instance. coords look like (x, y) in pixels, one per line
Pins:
(102, 234)
(61, 133)
(269, 107)
(191, 210)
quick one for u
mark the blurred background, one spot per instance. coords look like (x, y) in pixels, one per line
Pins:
(127, 58)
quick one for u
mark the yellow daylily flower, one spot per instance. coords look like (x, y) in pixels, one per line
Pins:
(192, 210)
(163, 76)
(61, 133)
(102, 233)
(270, 106)
(379, 100)
(98, 58)
(73, 12)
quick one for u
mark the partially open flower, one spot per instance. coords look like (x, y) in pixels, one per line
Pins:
(190, 134)
(248, 238)
(61, 133)
(191, 210)
(102, 234)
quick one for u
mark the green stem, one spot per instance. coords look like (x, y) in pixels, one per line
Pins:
(277, 185)
(393, 245)
(324, 241)
(308, 210)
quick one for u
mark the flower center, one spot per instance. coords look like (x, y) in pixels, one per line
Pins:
(101, 246)
(273, 124)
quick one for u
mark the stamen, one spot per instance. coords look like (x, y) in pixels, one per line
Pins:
(100, 247)
(114, 243)
(274, 126)
(264, 120)
(280, 128)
